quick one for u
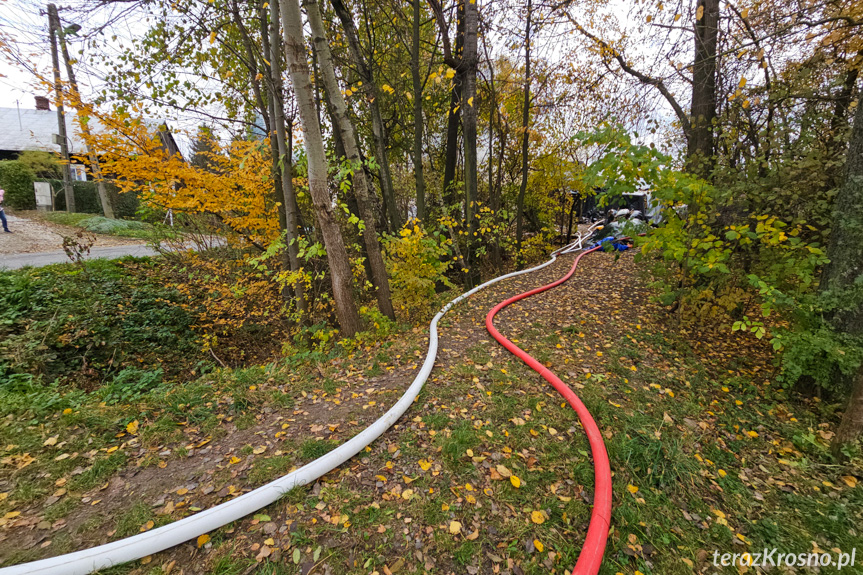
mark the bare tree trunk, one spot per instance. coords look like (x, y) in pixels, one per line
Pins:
(379, 133)
(454, 113)
(349, 139)
(469, 119)
(107, 209)
(701, 142)
(289, 197)
(840, 278)
(493, 196)
(525, 139)
(418, 115)
(337, 255)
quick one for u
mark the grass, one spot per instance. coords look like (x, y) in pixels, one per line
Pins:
(102, 225)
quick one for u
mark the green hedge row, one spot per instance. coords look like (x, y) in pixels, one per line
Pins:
(17, 179)
(87, 199)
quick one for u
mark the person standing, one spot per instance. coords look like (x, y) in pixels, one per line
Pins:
(2, 213)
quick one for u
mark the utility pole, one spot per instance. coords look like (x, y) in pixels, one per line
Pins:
(107, 210)
(53, 28)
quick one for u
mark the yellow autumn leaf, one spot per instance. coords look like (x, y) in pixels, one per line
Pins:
(516, 482)
(699, 14)
(203, 539)
(454, 527)
(722, 473)
(407, 493)
(470, 101)
(67, 411)
(752, 433)
(132, 427)
(425, 464)
(632, 488)
(742, 82)
(537, 517)
(450, 73)
(744, 13)
(850, 480)
(51, 441)
(213, 37)
(539, 546)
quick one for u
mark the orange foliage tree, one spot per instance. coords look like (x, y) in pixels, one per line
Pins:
(235, 188)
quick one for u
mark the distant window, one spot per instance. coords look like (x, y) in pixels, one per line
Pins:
(79, 173)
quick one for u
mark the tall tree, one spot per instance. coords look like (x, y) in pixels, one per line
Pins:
(372, 92)
(469, 119)
(454, 59)
(841, 280)
(203, 149)
(348, 138)
(284, 148)
(700, 149)
(337, 256)
(525, 140)
(418, 113)
(698, 124)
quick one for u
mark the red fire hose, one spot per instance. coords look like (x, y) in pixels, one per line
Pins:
(590, 558)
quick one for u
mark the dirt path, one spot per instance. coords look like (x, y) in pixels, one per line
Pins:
(33, 236)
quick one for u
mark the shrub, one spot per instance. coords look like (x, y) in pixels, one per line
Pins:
(131, 384)
(17, 179)
(43, 164)
(416, 262)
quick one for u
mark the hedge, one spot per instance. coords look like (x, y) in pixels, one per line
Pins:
(87, 198)
(17, 180)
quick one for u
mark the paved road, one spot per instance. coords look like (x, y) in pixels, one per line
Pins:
(16, 261)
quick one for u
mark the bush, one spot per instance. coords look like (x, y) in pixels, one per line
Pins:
(43, 164)
(17, 179)
(94, 320)
(131, 384)
(416, 262)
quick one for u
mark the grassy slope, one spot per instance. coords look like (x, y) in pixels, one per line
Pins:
(707, 451)
(102, 225)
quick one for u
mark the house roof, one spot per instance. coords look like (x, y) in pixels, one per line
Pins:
(28, 129)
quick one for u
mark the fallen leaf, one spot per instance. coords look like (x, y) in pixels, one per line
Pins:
(454, 527)
(537, 517)
(132, 427)
(203, 539)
